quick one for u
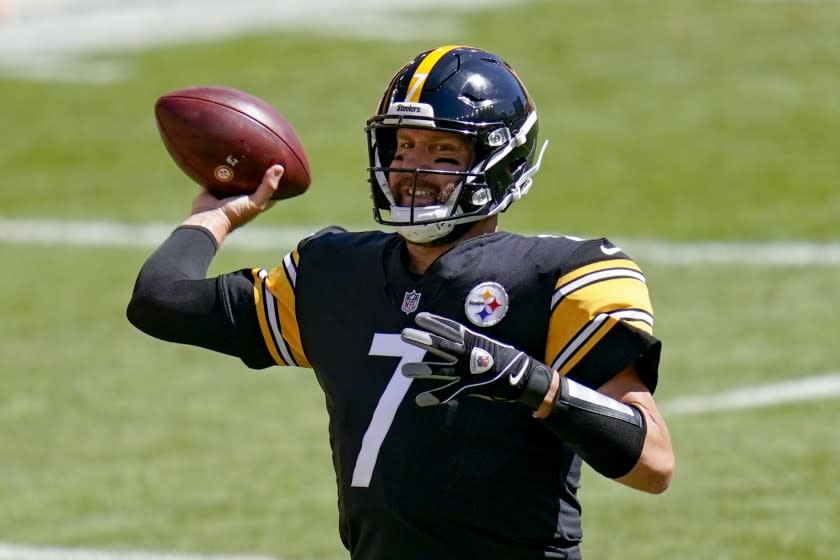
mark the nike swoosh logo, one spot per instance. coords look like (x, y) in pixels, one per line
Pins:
(515, 379)
(610, 250)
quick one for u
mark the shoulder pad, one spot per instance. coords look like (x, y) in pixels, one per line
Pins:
(595, 250)
(320, 233)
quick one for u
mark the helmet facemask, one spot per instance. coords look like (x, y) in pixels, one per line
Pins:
(469, 196)
(424, 203)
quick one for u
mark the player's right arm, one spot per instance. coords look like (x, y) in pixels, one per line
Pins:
(174, 300)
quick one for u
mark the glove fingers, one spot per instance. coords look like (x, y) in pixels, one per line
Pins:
(427, 370)
(439, 395)
(441, 347)
(426, 399)
(442, 326)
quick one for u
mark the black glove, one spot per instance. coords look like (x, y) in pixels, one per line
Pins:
(473, 365)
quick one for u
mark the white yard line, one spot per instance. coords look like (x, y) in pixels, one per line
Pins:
(35, 231)
(791, 391)
(27, 552)
(48, 39)
(760, 253)
(811, 388)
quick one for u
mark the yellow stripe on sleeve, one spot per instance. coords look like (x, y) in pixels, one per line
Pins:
(588, 301)
(579, 345)
(275, 299)
(262, 316)
(567, 279)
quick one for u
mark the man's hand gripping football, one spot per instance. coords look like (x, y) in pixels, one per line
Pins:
(221, 216)
(473, 364)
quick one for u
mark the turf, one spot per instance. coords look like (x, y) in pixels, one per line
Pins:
(674, 120)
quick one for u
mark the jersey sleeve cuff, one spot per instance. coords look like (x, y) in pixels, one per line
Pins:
(205, 231)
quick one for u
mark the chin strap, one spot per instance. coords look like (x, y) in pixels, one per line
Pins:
(523, 185)
(425, 233)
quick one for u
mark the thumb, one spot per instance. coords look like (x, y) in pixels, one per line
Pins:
(242, 209)
(268, 186)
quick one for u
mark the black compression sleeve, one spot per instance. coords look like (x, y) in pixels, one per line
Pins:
(607, 434)
(174, 301)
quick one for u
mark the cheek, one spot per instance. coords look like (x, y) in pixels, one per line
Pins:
(395, 177)
(446, 190)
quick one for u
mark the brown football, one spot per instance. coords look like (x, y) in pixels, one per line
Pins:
(224, 139)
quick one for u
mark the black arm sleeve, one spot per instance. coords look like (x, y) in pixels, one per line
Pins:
(607, 434)
(173, 300)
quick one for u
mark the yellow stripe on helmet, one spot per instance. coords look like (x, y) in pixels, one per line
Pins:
(415, 86)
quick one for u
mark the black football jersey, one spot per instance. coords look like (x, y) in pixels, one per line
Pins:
(475, 478)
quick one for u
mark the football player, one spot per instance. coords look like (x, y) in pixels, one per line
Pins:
(468, 372)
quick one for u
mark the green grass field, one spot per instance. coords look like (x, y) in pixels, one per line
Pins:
(671, 120)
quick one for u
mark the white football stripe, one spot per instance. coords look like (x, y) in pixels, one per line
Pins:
(592, 277)
(274, 324)
(633, 315)
(291, 269)
(26, 552)
(47, 39)
(579, 341)
(794, 390)
(100, 233)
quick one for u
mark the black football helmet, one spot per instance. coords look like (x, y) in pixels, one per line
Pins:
(470, 92)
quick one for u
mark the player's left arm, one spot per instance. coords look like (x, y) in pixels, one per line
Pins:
(654, 468)
(601, 337)
(616, 430)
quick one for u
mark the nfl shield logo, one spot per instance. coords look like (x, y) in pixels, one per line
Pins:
(410, 301)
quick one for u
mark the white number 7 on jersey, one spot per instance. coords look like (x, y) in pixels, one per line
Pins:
(386, 408)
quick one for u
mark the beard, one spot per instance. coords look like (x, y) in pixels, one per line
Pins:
(405, 192)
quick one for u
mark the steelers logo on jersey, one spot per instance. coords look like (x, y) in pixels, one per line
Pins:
(486, 304)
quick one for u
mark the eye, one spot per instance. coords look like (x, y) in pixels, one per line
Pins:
(445, 148)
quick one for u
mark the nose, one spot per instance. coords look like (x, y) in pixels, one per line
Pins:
(407, 158)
